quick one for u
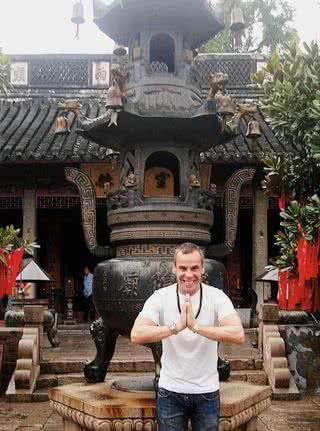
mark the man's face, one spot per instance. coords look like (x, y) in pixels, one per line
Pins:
(86, 270)
(188, 269)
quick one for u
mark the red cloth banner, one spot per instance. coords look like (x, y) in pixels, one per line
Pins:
(302, 291)
(289, 294)
(9, 272)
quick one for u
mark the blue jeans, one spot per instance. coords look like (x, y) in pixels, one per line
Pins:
(174, 410)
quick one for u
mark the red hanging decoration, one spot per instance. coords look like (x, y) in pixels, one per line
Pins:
(9, 272)
(283, 200)
(288, 294)
(308, 268)
(3, 276)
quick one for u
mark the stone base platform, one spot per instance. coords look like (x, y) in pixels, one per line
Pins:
(109, 407)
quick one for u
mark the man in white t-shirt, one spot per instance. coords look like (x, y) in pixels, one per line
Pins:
(190, 318)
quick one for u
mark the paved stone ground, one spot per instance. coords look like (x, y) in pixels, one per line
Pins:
(303, 415)
(28, 417)
(81, 347)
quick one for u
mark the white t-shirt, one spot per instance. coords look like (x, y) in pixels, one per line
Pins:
(189, 360)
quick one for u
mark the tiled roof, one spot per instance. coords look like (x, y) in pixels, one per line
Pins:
(26, 124)
(27, 133)
(243, 149)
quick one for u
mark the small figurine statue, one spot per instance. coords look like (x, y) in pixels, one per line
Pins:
(225, 104)
(205, 200)
(161, 179)
(70, 105)
(217, 83)
(194, 181)
(213, 189)
(117, 92)
(131, 181)
(107, 189)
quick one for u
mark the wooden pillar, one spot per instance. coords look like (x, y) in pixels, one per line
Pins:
(259, 242)
(29, 214)
(29, 223)
(53, 245)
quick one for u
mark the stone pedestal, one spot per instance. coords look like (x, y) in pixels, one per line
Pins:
(42, 318)
(34, 318)
(105, 407)
(70, 318)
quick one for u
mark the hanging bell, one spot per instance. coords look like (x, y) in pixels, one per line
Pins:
(119, 50)
(77, 13)
(77, 16)
(61, 125)
(237, 20)
(253, 130)
(225, 104)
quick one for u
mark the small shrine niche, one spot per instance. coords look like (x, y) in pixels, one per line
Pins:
(161, 177)
(162, 53)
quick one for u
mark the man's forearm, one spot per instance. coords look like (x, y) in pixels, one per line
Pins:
(227, 334)
(149, 334)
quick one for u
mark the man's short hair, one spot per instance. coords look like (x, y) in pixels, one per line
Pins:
(188, 248)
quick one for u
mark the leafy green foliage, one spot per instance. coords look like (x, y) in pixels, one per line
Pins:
(266, 27)
(10, 240)
(297, 175)
(291, 99)
(297, 218)
(291, 88)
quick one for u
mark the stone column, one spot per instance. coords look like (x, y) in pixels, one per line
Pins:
(259, 242)
(29, 227)
(34, 318)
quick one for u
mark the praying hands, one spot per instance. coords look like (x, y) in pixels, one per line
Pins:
(187, 319)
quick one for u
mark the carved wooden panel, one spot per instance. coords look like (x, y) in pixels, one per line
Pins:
(231, 197)
(53, 244)
(88, 204)
(158, 181)
(205, 175)
(104, 176)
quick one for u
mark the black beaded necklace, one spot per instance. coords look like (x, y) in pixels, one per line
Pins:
(200, 302)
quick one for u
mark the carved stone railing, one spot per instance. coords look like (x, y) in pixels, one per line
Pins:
(274, 358)
(273, 348)
(28, 367)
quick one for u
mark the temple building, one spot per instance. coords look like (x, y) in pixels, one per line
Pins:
(39, 137)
